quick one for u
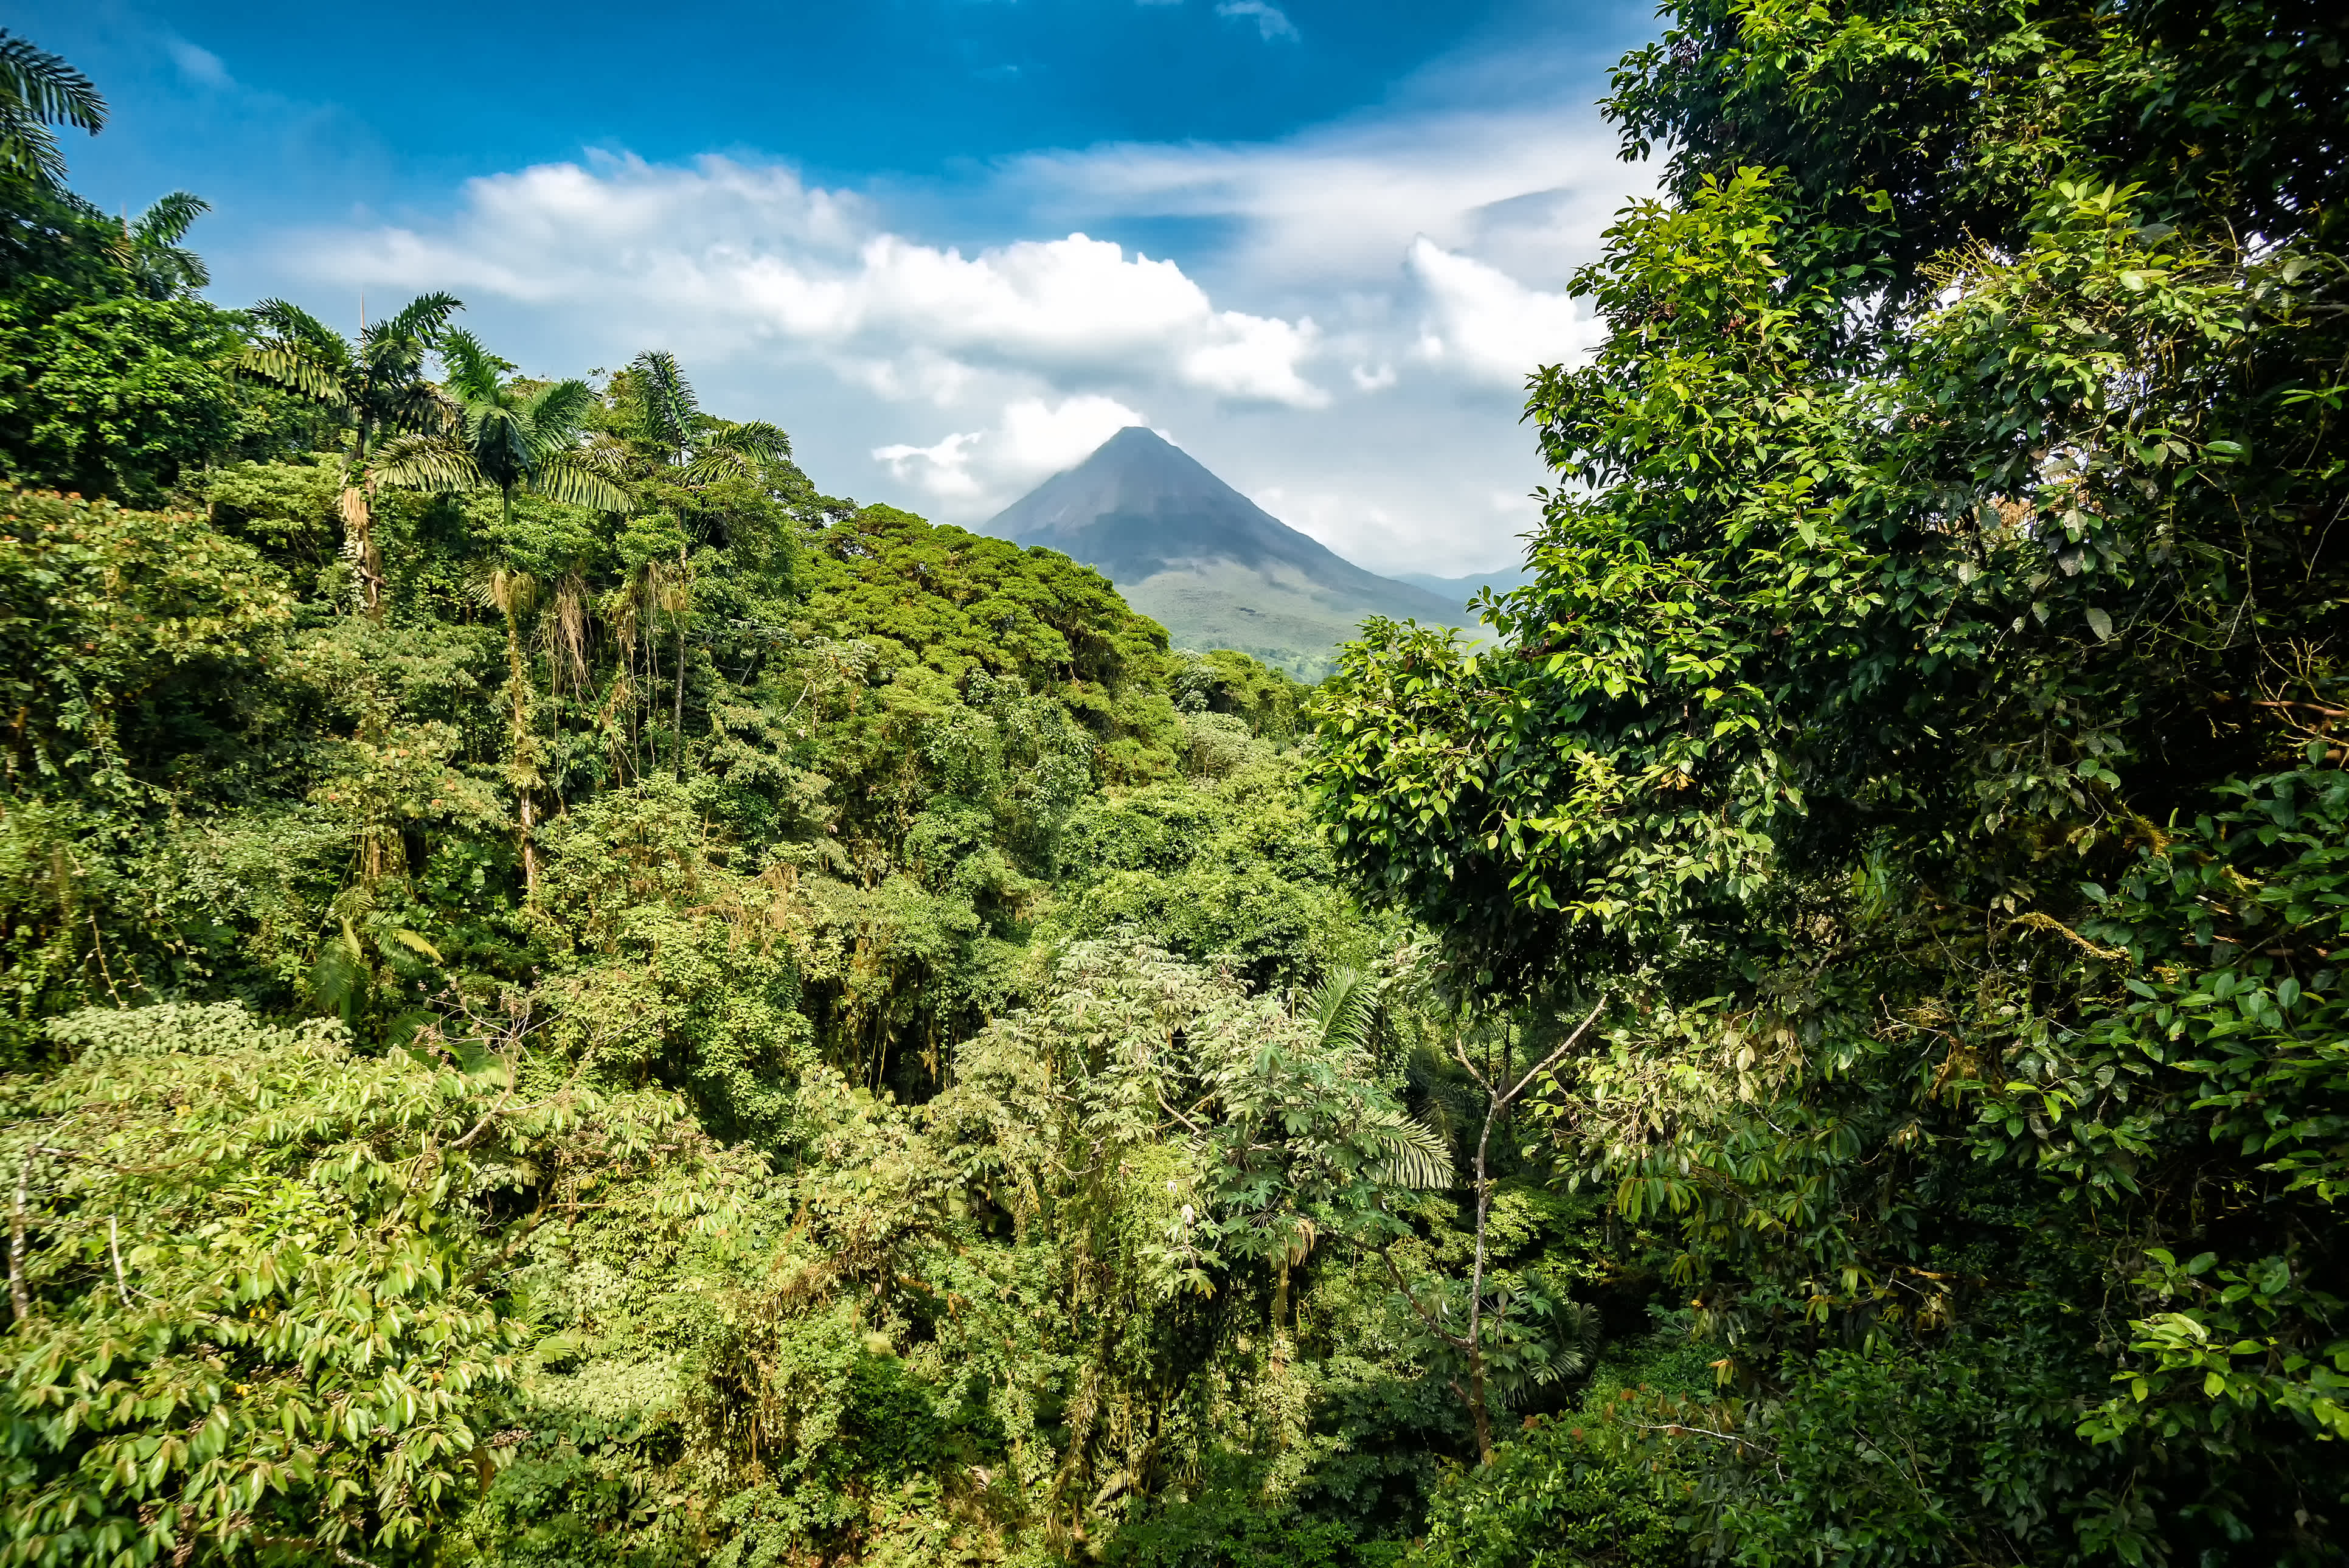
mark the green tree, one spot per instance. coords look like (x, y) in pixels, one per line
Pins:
(1478, 1326)
(246, 1277)
(1011, 1000)
(662, 417)
(153, 252)
(1943, 567)
(113, 375)
(677, 447)
(375, 382)
(506, 436)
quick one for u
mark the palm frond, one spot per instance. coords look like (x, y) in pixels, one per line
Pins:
(473, 372)
(754, 438)
(177, 271)
(708, 468)
(567, 478)
(40, 84)
(417, 407)
(291, 324)
(420, 320)
(671, 411)
(416, 942)
(558, 411)
(28, 149)
(434, 465)
(602, 456)
(1345, 1010)
(295, 368)
(500, 440)
(169, 219)
(339, 977)
(737, 452)
(1405, 1151)
(39, 89)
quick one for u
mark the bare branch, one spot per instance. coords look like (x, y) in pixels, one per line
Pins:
(513, 1076)
(1459, 1055)
(1559, 1055)
(1678, 1428)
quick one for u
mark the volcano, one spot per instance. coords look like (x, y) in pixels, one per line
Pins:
(1210, 565)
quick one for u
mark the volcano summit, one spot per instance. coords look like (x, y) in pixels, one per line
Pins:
(1214, 568)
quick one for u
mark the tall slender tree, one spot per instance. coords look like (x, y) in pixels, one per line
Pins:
(673, 442)
(676, 442)
(377, 381)
(515, 594)
(507, 434)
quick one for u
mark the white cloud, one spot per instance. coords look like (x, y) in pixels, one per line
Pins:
(729, 248)
(198, 64)
(992, 467)
(1488, 326)
(943, 469)
(1271, 21)
(1346, 338)
(1526, 188)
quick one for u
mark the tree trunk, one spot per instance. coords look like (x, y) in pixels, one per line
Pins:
(1279, 1310)
(1482, 1415)
(359, 549)
(529, 849)
(525, 770)
(676, 713)
(358, 530)
(651, 738)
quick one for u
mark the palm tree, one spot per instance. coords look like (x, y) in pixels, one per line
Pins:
(681, 445)
(509, 435)
(376, 382)
(506, 435)
(514, 594)
(152, 250)
(689, 447)
(38, 90)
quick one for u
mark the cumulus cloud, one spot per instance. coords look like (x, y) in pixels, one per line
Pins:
(1487, 326)
(991, 468)
(1346, 339)
(728, 249)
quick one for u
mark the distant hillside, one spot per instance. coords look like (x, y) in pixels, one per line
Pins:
(1214, 568)
(1467, 588)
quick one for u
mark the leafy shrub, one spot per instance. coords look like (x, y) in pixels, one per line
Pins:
(1556, 1497)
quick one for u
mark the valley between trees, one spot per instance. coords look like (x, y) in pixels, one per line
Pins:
(573, 1000)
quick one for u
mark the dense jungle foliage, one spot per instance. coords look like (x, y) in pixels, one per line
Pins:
(573, 1000)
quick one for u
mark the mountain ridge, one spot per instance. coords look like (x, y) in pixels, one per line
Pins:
(1499, 580)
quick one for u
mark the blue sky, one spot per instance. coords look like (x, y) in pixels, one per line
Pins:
(949, 244)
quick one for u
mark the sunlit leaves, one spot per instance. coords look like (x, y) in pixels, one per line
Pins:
(258, 1294)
